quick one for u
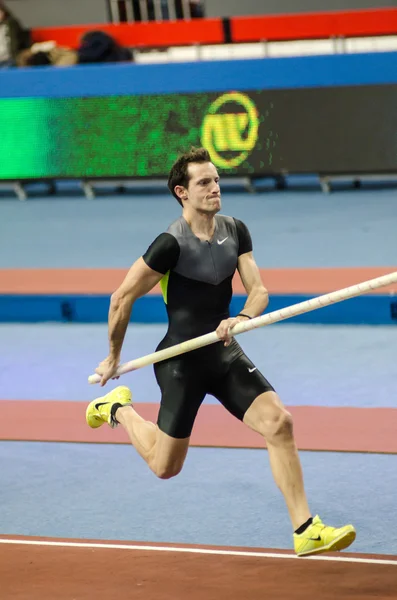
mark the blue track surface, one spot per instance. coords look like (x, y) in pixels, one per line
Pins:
(289, 229)
(308, 365)
(222, 497)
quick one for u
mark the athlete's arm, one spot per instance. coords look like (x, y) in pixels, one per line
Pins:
(142, 277)
(139, 280)
(258, 297)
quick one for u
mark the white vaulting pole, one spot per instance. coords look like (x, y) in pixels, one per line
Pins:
(272, 317)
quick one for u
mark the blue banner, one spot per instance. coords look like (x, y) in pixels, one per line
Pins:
(261, 74)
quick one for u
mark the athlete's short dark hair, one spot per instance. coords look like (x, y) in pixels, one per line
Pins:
(179, 174)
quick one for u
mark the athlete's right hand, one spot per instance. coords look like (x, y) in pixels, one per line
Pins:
(107, 369)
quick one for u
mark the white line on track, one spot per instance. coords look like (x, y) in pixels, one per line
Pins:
(187, 550)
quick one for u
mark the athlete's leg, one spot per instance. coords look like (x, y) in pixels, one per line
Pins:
(164, 445)
(249, 396)
(164, 454)
(268, 417)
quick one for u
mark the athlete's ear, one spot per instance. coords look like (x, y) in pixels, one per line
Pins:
(181, 192)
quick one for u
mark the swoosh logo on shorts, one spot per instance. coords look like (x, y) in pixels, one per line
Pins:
(252, 370)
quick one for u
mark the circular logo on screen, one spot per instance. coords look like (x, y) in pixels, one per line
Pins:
(230, 129)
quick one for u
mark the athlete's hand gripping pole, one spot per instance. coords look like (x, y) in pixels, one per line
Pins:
(267, 319)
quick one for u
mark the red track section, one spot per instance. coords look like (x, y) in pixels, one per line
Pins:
(66, 571)
(316, 428)
(105, 281)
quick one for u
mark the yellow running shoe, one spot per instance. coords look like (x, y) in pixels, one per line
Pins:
(319, 538)
(103, 410)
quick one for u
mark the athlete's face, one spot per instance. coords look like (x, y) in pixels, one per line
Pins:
(203, 192)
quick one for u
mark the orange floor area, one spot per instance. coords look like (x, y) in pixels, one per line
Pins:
(316, 428)
(66, 572)
(105, 281)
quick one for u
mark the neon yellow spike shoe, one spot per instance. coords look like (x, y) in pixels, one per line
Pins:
(319, 538)
(103, 410)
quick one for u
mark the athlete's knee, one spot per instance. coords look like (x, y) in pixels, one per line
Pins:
(167, 471)
(277, 426)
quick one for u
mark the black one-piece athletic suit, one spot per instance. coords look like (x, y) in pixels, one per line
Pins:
(197, 290)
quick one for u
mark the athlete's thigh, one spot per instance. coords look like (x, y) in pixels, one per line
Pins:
(182, 392)
(240, 385)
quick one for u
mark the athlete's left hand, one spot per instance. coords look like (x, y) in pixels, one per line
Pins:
(224, 327)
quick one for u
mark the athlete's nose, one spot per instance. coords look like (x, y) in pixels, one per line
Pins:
(216, 188)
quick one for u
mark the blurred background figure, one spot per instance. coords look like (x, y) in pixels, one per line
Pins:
(47, 54)
(99, 47)
(13, 37)
(94, 47)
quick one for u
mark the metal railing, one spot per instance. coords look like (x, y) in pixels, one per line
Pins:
(121, 11)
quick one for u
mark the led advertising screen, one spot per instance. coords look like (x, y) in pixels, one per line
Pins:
(311, 130)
